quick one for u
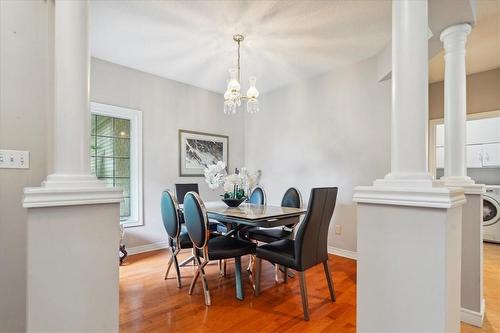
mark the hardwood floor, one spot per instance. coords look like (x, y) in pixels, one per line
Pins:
(150, 304)
(491, 262)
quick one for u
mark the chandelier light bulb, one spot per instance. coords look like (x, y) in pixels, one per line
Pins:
(252, 92)
(232, 95)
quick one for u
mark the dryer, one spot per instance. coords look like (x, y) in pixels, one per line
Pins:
(491, 214)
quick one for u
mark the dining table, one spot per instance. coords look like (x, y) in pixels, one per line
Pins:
(248, 214)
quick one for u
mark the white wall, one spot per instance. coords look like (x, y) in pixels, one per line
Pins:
(330, 130)
(26, 30)
(167, 106)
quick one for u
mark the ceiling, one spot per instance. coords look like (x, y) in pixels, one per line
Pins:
(191, 41)
(483, 43)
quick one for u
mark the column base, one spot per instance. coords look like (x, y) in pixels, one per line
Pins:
(67, 190)
(472, 317)
(409, 252)
(406, 193)
(469, 185)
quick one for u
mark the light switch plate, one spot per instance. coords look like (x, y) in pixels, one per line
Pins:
(338, 229)
(14, 159)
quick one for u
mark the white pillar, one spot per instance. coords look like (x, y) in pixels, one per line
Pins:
(455, 108)
(73, 218)
(455, 167)
(409, 227)
(72, 77)
(409, 93)
(71, 118)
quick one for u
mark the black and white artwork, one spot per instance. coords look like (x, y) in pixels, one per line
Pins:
(198, 150)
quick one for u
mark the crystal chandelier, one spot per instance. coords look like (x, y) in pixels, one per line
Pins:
(232, 96)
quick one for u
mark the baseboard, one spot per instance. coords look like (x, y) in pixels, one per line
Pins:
(147, 247)
(472, 317)
(342, 253)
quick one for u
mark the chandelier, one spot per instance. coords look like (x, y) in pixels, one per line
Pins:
(232, 96)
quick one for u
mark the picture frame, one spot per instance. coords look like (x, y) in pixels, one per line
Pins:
(199, 149)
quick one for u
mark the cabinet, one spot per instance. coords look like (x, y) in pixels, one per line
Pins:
(483, 143)
(483, 131)
(491, 154)
(474, 156)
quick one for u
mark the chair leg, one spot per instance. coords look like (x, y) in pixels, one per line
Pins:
(329, 280)
(173, 260)
(195, 277)
(285, 274)
(224, 267)
(170, 261)
(250, 263)
(237, 276)
(303, 293)
(258, 267)
(178, 271)
(276, 274)
(187, 261)
(206, 291)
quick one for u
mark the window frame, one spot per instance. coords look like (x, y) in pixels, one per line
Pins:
(136, 189)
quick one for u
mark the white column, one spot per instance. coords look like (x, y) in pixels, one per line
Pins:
(71, 123)
(71, 181)
(409, 227)
(455, 108)
(455, 167)
(73, 218)
(409, 93)
(72, 78)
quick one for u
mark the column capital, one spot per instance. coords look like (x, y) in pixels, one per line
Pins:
(455, 35)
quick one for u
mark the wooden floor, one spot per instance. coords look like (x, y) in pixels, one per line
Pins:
(150, 304)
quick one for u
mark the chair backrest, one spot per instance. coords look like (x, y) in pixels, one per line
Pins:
(196, 219)
(258, 196)
(311, 238)
(182, 189)
(292, 198)
(170, 214)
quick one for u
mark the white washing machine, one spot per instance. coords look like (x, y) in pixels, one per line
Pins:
(491, 214)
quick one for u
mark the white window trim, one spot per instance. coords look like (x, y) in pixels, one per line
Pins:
(136, 190)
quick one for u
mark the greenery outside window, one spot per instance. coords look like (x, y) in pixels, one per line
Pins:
(115, 150)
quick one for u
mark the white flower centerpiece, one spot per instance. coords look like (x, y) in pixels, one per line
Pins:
(237, 186)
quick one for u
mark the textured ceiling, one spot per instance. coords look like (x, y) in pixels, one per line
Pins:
(191, 41)
(483, 43)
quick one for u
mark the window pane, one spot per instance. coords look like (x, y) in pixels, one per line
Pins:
(92, 165)
(104, 167)
(107, 181)
(92, 124)
(122, 167)
(122, 128)
(104, 126)
(122, 147)
(93, 145)
(124, 183)
(104, 146)
(110, 155)
(125, 207)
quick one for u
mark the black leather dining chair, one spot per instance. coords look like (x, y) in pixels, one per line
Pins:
(309, 247)
(217, 248)
(178, 237)
(292, 198)
(182, 188)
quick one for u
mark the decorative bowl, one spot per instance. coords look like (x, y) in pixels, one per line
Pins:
(233, 202)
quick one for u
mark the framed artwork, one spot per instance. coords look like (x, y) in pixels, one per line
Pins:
(197, 150)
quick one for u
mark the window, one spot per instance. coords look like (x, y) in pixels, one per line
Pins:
(116, 154)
